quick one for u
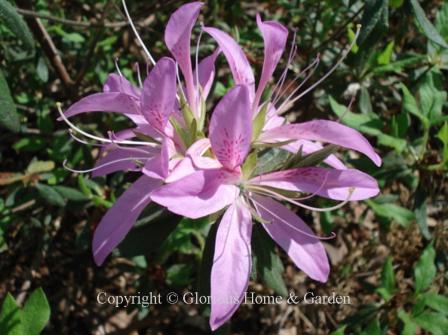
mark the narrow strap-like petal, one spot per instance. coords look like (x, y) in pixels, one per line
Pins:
(239, 65)
(117, 83)
(324, 131)
(105, 102)
(231, 264)
(120, 218)
(159, 94)
(202, 193)
(307, 252)
(329, 183)
(230, 129)
(274, 36)
(206, 72)
(177, 38)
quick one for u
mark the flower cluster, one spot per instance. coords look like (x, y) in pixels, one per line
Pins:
(196, 169)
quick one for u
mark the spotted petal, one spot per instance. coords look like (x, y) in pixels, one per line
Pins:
(117, 83)
(159, 94)
(230, 128)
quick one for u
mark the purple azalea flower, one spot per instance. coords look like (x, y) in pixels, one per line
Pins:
(220, 184)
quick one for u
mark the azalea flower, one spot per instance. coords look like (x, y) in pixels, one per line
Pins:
(221, 184)
(162, 119)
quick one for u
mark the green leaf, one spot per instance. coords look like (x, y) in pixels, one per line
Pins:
(420, 211)
(432, 98)
(259, 122)
(372, 17)
(70, 193)
(443, 136)
(15, 23)
(437, 302)
(410, 105)
(266, 262)
(149, 234)
(396, 3)
(49, 194)
(373, 327)
(428, 29)
(9, 118)
(36, 313)
(179, 274)
(442, 20)
(316, 157)
(11, 317)
(425, 269)
(391, 211)
(410, 326)
(270, 160)
(249, 165)
(385, 56)
(365, 103)
(388, 285)
(436, 324)
(42, 69)
(39, 167)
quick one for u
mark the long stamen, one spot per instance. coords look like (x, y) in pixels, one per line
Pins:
(292, 226)
(313, 66)
(266, 191)
(292, 54)
(349, 107)
(139, 77)
(118, 67)
(179, 83)
(321, 186)
(96, 138)
(77, 139)
(116, 143)
(64, 164)
(131, 23)
(326, 75)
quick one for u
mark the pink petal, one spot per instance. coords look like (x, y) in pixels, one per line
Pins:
(239, 65)
(199, 194)
(231, 264)
(329, 183)
(158, 166)
(159, 93)
(309, 147)
(324, 131)
(182, 169)
(177, 39)
(105, 102)
(206, 72)
(307, 252)
(274, 36)
(117, 83)
(121, 217)
(196, 151)
(230, 129)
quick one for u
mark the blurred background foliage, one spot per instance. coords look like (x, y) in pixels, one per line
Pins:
(390, 254)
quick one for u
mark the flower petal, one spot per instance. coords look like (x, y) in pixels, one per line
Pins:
(230, 129)
(206, 72)
(159, 94)
(158, 166)
(324, 131)
(177, 39)
(307, 252)
(199, 194)
(329, 183)
(105, 102)
(309, 147)
(274, 36)
(231, 264)
(117, 83)
(120, 218)
(239, 65)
